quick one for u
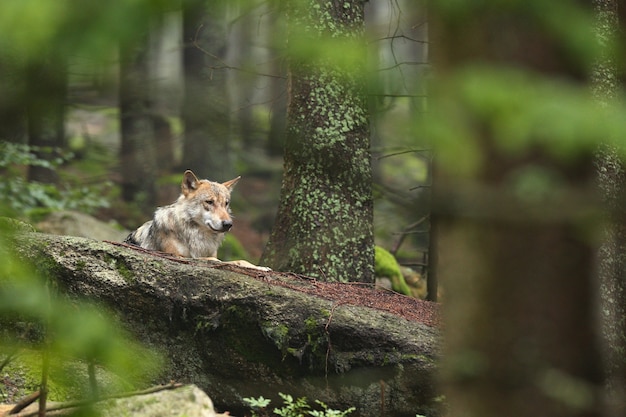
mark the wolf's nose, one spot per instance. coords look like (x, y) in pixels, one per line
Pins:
(227, 224)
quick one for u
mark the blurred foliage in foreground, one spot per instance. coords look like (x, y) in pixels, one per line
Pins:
(523, 110)
(38, 323)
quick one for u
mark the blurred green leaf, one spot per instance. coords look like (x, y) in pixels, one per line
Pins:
(28, 28)
(70, 329)
(517, 110)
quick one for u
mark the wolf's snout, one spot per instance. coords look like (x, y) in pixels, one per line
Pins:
(227, 224)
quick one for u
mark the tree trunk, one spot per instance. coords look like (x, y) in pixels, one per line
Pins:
(324, 223)
(137, 153)
(46, 93)
(278, 92)
(278, 117)
(206, 108)
(521, 336)
(14, 93)
(236, 334)
(612, 254)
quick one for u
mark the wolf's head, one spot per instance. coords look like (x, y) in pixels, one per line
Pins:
(208, 202)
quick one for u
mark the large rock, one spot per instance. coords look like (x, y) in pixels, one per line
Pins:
(236, 335)
(188, 401)
(166, 401)
(73, 223)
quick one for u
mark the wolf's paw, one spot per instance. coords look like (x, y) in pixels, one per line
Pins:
(241, 263)
(247, 264)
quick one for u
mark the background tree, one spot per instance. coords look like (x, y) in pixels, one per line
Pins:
(278, 106)
(398, 55)
(324, 223)
(46, 80)
(206, 109)
(12, 88)
(514, 203)
(612, 182)
(138, 162)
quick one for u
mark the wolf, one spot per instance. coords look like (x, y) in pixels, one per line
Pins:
(194, 225)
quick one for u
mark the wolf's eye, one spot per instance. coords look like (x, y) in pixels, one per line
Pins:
(227, 203)
(209, 202)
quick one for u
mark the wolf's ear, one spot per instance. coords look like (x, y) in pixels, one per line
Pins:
(231, 184)
(190, 182)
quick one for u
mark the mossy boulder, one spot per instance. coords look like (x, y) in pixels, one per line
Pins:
(387, 266)
(236, 334)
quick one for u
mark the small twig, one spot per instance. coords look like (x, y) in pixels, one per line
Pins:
(45, 366)
(405, 232)
(400, 64)
(93, 383)
(82, 403)
(8, 359)
(403, 153)
(25, 402)
(323, 274)
(382, 398)
(224, 64)
(386, 38)
(329, 348)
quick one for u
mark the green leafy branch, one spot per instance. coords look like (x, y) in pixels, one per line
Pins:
(293, 408)
(34, 318)
(28, 197)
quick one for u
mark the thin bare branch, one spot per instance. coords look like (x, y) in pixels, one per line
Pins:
(224, 64)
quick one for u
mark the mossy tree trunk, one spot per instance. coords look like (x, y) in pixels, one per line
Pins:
(612, 254)
(521, 336)
(324, 226)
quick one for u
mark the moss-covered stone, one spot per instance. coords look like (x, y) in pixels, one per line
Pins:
(226, 332)
(387, 266)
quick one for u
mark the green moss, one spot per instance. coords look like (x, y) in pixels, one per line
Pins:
(24, 373)
(232, 249)
(310, 323)
(14, 225)
(317, 338)
(47, 267)
(121, 268)
(80, 265)
(387, 266)
(278, 334)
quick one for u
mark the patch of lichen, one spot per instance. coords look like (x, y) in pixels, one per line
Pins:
(121, 267)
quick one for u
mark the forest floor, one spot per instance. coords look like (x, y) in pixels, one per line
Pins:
(357, 293)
